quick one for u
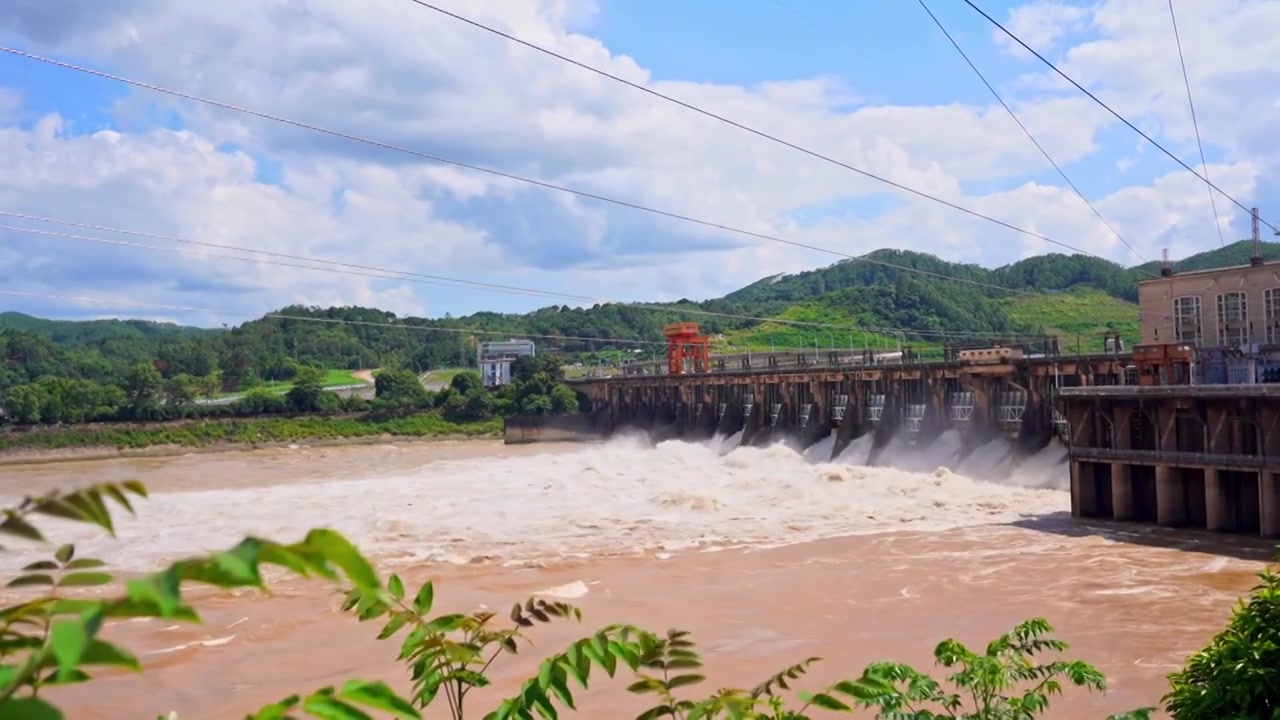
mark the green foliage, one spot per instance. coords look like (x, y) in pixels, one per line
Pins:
(53, 400)
(466, 381)
(1077, 317)
(53, 638)
(400, 388)
(308, 386)
(247, 430)
(867, 294)
(1238, 675)
(143, 391)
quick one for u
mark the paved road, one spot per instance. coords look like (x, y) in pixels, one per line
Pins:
(364, 390)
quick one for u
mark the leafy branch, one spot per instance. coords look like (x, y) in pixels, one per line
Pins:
(52, 638)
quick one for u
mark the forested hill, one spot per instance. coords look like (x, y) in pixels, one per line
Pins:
(1082, 297)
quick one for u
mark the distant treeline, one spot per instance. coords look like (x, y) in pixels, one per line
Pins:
(870, 293)
(147, 395)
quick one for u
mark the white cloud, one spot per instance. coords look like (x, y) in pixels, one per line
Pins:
(393, 72)
(1041, 24)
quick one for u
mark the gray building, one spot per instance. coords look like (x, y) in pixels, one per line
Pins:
(494, 359)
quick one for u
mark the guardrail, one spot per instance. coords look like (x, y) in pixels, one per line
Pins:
(741, 364)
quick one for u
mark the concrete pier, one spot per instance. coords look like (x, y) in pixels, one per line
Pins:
(1205, 456)
(912, 402)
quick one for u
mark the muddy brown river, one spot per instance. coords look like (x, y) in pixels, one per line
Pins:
(768, 556)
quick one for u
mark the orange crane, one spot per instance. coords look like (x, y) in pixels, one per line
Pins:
(687, 349)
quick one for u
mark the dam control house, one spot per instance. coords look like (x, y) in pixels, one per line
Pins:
(1194, 439)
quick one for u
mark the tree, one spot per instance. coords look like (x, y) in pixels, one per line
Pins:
(563, 399)
(210, 384)
(22, 403)
(475, 404)
(400, 388)
(308, 385)
(536, 404)
(1238, 674)
(526, 366)
(143, 390)
(180, 390)
(466, 381)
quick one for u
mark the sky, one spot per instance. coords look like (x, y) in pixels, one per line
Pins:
(873, 84)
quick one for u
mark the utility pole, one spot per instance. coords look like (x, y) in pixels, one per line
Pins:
(1257, 238)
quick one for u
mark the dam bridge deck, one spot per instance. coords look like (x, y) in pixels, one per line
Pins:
(1014, 397)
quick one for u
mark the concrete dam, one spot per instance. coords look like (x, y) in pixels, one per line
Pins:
(982, 394)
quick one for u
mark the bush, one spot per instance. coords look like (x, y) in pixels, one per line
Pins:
(53, 639)
(1238, 674)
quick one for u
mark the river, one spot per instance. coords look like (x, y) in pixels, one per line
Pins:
(767, 555)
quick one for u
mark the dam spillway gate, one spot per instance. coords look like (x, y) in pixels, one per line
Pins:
(913, 403)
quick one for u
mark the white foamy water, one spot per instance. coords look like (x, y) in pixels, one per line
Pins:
(621, 497)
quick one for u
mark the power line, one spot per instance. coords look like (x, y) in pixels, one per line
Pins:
(1186, 81)
(386, 274)
(746, 128)
(362, 323)
(1027, 132)
(518, 178)
(1107, 107)
(340, 321)
(539, 183)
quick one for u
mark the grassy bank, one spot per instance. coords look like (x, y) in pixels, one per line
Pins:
(200, 433)
(1079, 317)
(332, 379)
(782, 336)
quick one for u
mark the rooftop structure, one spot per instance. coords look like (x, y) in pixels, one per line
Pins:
(495, 358)
(1217, 307)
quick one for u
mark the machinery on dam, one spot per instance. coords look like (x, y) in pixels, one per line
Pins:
(982, 392)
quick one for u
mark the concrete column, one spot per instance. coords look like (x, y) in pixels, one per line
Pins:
(1084, 501)
(1219, 515)
(1269, 488)
(1122, 424)
(1171, 501)
(1121, 493)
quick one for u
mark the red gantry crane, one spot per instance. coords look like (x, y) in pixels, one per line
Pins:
(687, 350)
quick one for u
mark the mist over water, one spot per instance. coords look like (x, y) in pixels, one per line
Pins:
(625, 496)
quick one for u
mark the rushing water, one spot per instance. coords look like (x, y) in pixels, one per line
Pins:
(620, 497)
(830, 558)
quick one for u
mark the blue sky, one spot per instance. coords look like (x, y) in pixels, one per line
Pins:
(886, 55)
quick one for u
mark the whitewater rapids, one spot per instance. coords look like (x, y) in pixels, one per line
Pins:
(621, 497)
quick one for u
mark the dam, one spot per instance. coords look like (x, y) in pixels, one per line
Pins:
(982, 394)
(1177, 454)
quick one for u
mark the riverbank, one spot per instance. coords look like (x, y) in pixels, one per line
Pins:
(105, 441)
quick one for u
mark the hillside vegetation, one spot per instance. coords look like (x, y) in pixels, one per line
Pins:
(872, 305)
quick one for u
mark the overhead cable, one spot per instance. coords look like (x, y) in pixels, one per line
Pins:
(409, 324)
(1108, 108)
(1027, 132)
(531, 181)
(749, 129)
(369, 271)
(1195, 124)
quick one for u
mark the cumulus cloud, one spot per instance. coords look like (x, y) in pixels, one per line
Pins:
(391, 71)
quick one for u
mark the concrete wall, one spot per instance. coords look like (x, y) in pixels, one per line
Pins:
(1156, 302)
(1206, 457)
(522, 429)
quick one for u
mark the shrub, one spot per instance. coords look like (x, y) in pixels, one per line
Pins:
(53, 639)
(1238, 674)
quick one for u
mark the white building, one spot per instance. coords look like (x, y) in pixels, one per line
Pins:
(494, 359)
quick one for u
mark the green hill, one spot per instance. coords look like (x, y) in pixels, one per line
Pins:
(870, 303)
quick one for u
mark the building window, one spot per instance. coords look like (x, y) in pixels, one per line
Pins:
(1271, 310)
(1186, 319)
(1233, 319)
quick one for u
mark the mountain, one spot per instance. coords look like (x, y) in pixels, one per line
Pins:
(870, 303)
